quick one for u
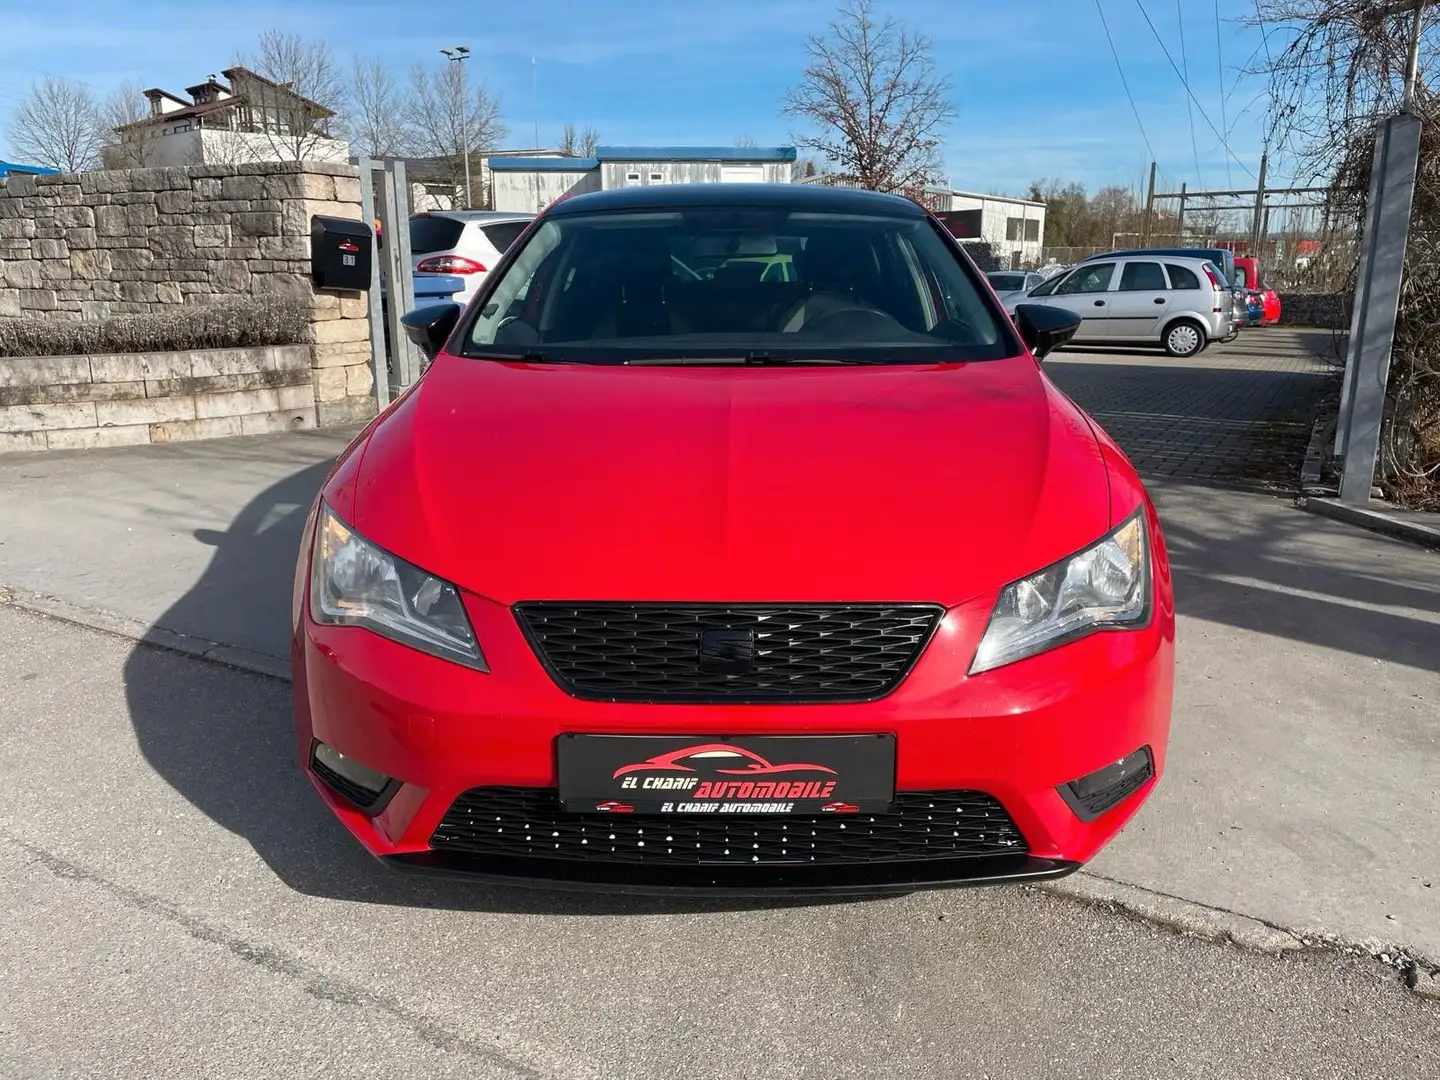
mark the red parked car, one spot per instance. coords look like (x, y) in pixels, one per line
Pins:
(1248, 270)
(734, 580)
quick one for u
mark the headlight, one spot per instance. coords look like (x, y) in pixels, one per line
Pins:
(355, 583)
(1106, 585)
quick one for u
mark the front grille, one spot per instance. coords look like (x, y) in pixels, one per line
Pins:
(929, 826)
(652, 653)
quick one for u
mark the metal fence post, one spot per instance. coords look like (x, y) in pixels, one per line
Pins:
(1149, 208)
(1377, 300)
(377, 308)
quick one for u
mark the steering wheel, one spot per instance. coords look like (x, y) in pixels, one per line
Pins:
(861, 317)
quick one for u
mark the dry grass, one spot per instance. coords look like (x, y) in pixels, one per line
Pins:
(224, 323)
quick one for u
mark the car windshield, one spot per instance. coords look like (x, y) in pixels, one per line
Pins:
(1007, 282)
(726, 282)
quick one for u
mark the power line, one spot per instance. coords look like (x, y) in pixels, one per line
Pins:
(1189, 111)
(1220, 68)
(1133, 108)
(1186, 84)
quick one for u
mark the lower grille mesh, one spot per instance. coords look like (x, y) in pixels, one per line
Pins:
(515, 822)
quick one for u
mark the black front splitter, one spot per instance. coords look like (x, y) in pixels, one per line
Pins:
(761, 881)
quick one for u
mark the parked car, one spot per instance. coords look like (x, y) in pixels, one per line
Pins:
(1009, 283)
(1223, 259)
(1177, 302)
(668, 543)
(1247, 271)
(465, 243)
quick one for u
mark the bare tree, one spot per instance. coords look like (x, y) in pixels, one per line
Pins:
(578, 143)
(378, 127)
(294, 101)
(1336, 71)
(58, 125)
(803, 169)
(124, 105)
(745, 141)
(873, 100)
(446, 124)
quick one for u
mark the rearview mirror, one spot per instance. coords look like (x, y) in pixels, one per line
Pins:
(429, 327)
(1044, 328)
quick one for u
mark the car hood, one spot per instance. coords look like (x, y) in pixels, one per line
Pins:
(820, 484)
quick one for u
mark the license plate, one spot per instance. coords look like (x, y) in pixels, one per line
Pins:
(770, 774)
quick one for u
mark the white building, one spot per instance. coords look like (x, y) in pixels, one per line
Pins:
(1014, 228)
(530, 183)
(248, 118)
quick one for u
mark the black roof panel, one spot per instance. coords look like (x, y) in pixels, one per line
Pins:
(806, 197)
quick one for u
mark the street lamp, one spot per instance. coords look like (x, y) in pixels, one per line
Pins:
(458, 55)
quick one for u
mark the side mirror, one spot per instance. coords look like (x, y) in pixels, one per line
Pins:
(429, 327)
(1044, 328)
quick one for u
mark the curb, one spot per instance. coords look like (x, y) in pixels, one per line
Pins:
(1215, 925)
(1380, 521)
(108, 622)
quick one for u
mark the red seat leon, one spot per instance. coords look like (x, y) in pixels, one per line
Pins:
(734, 540)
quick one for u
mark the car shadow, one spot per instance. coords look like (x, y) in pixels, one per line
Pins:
(224, 739)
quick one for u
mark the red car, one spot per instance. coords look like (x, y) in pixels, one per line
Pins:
(815, 574)
(1248, 269)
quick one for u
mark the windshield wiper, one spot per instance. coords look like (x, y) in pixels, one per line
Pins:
(530, 356)
(750, 359)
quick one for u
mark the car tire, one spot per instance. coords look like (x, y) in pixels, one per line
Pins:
(1184, 338)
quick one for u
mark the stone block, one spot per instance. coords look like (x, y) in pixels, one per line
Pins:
(74, 217)
(355, 410)
(168, 292)
(86, 391)
(209, 363)
(44, 370)
(341, 354)
(19, 185)
(105, 181)
(242, 187)
(230, 277)
(330, 383)
(340, 330)
(359, 380)
(140, 216)
(139, 292)
(53, 270)
(131, 198)
(288, 357)
(95, 438)
(347, 189)
(285, 247)
(269, 423)
(206, 188)
(131, 258)
(355, 307)
(218, 427)
(174, 202)
(280, 285)
(104, 290)
(299, 396)
(236, 403)
(111, 221)
(15, 247)
(38, 299)
(256, 224)
(9, 304)
(145, 411)
(94, 310)
(78, 239)
(17, 228)
(20, 274)
(92, 263)
(77, 414)
(17, 441)
(137, 367)
(211, 236)
(173, 241)
(49, 249)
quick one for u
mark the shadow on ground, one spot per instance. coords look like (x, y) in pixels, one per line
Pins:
(224, 739)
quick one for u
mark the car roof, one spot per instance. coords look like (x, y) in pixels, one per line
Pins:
(485, 217)
(803, 197)
(1202, 254)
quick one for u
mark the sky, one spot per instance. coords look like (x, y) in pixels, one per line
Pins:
(1036, 86)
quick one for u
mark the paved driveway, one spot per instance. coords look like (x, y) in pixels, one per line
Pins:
(1240, 412)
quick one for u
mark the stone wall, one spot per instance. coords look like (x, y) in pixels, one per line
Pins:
(1325, 311)
(96, 244)
(82, 402)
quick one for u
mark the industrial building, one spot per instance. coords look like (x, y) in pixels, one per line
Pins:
(529, 184)
(1014, 228)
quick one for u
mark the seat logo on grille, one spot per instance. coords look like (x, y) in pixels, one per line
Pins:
(727, 652)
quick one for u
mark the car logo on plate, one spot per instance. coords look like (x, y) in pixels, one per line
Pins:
(727, 652)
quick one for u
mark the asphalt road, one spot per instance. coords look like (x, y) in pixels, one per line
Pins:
(178, 903)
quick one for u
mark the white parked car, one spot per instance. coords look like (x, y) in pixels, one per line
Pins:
(466, 243)
(1008, 283)
(1182, 304)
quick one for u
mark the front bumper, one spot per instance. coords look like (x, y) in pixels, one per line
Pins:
(1016, 734)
